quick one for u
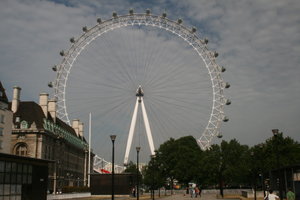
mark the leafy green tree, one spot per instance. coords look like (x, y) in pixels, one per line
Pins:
(225, 164)
(228, 164)
(281, 152)
(153, 175)
(235, 162)
(132, 168)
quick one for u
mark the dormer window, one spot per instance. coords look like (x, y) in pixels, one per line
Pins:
(17, 119)
(24, 125)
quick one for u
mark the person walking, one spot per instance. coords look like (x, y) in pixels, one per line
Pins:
(271, 196)
(290, 195)
(196, 191)
(133, 192)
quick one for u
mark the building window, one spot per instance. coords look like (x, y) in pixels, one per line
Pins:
(1, 131)
(21, 150)
(17, 119)
(1, 144)
(2, 119)
(24, 124)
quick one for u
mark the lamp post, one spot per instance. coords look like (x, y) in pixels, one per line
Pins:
(152, 170)
(137, 172)
(113, 138)
(254, 173)
(220, 172)
(275, 135)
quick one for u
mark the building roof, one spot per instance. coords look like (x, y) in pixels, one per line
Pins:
(32, 112)
(3, 96)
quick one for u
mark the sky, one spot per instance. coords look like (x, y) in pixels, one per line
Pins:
(258, 42)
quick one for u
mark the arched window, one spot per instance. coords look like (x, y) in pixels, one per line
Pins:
(21, 149)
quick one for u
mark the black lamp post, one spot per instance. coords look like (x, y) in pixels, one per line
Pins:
(152, 170)
(254, 174)
(275, 135)
(113, 138)
(220, 172)
(137, 172)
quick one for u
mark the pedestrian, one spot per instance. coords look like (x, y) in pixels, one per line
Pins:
(290, 195)
(133, 191)
(271, 196)
(191, 191)
(199, 191)
(196, 191)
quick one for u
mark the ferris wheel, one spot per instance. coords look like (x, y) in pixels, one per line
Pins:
(141, 72)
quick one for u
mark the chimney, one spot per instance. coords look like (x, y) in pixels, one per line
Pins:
(16, 99)
(52, 109)
(75, 126)
(81, 129)
(44, 103)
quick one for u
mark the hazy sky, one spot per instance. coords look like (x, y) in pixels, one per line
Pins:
(258, 42)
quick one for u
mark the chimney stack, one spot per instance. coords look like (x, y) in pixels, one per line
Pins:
(16, 99)
(52, 109)
(75, 126)
(44, 103)
(81, 129)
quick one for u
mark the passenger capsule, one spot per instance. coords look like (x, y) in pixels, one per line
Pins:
(219, 135)
(227, 85)
(228, 102)
(62, 53)
(54, 68)
(72, 40)
(205, 40)
(131, 11)
(179, 21)
(50, 84)
(216, 54)
(114, 14)
(194, 29)
(223, 69)
(148, 11)
(99, 20)
(164, 15)
(225, 119)
(85, 29)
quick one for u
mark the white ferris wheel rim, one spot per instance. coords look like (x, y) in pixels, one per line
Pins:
(212, 128)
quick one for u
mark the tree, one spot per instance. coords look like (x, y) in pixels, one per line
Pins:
(132, 168)
(180, 159)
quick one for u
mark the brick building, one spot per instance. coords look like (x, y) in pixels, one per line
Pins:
(6, 116)
(38, 133)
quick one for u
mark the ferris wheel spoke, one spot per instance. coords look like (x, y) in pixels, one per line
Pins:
(160, 126)
(170, 120)
(188, 110)
(182, 103)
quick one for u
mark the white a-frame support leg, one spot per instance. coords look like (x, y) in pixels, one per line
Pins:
(131, 131)
(147, 127)
(139, 100)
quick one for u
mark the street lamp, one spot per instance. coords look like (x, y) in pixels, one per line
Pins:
(113, 138)
(275, 135)
(254, 174)
(152, 170)
(137, 172)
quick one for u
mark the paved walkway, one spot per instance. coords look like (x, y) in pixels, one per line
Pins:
(188, 197)
(172, 197)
